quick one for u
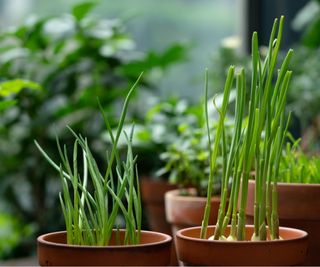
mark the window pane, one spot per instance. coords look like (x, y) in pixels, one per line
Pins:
(154, 25)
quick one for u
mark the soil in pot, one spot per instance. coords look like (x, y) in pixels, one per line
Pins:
(192, 250)
(152, 193)
(298, 207)
(154, 249)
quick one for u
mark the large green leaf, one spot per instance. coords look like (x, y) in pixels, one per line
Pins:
(15, 86)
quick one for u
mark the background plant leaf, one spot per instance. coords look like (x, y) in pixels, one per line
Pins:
(82, 10)
(15, 86)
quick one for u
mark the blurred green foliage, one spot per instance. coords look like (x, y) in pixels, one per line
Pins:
(12, 235)
(76, 58)
(12, 232)
(162, 127)
(304, 95)
(156, 25)
(307, 21)
(175, 130)
(11, 88)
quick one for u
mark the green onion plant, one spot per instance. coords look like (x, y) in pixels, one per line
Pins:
(297, 166)
(90, 215)
(260, 127)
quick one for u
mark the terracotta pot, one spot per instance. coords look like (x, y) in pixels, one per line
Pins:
(298, 207)
(152, 193)
(195, 251)
(187, 211)
(154, 249)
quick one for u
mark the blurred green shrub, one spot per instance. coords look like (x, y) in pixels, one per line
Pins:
(163, 125)
(307, 21)
(12, 236)
(76, 58)
(12, 232)
(304, 95)
(172, 144)
(10, 88)
(185, 158)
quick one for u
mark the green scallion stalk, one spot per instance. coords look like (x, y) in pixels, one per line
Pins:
(214, 153)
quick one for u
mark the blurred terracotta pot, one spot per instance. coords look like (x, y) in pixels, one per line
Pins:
(187, 211)
(298, 207)
(152, 193)
(154, 249)
(192, 250)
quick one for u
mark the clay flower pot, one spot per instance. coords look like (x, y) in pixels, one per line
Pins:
(152, 194)
(154, 249)
(187, 211)
(298, 207)
(192, 250)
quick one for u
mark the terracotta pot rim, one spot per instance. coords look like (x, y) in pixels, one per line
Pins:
(180, 234)
(293, 184)
(42, 241)
(298, 184)
(152, 178)
(175, 194)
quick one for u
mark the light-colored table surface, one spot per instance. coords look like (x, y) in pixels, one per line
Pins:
(20, 262)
